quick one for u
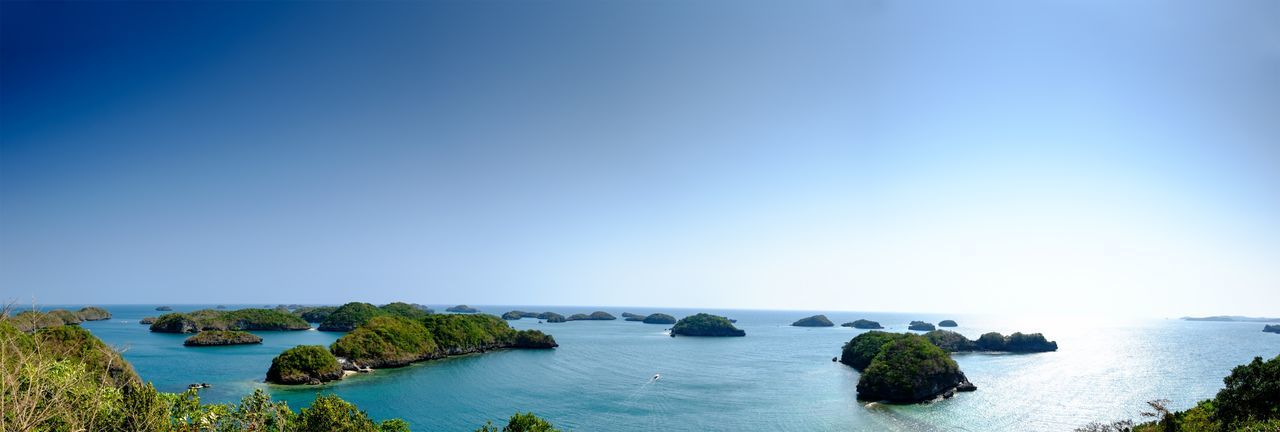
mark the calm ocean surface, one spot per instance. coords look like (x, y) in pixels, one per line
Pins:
(776, 378)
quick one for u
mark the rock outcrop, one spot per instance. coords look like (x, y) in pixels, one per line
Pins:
(1271, 329)
(902, 368)
(921, 326)
(947, 323)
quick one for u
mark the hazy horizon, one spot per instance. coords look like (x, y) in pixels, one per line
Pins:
(972, 158)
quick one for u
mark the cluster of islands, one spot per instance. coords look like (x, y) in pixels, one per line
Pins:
(894, 367)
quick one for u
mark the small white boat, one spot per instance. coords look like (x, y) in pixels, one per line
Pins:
(656, 376)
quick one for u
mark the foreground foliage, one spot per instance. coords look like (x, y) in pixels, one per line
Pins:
(64, 379)
(1249, 401)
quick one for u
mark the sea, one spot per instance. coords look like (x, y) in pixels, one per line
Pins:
(777, 378)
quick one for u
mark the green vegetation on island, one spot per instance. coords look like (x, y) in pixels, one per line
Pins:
(632, 317)
(704, 324)
(594, 316)
(814, 321)
(147, 320)
(91, 313)
(1017, 343)
(67, 317)
(1271, 328)
(351, 315)
(462, 309)
(304, 364)
(243, 319)
(1249, 402)
(394, 341)
(551, 317)
(902, 368)
(163, 308)
(658, 318)
(921, 326)
(222, 337)
(947, 323)
(314, 314)
(517, 314)
(863, 324)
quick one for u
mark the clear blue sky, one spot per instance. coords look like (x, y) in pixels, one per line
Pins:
(978, 156)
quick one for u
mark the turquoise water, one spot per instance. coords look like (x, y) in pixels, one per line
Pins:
(776, 378)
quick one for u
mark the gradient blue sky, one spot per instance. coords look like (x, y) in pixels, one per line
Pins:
(979, 156)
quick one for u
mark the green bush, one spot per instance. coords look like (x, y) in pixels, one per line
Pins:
(521, 422)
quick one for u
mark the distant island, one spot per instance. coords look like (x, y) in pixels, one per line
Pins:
(703, 324)
(551, 317)
(920, 326)
(947, 323)
(147, 320)
(314, 314)
(992, 342)
(516, 314)
(222, 337)
(632, 317)
(659, 318)
(163, 308)
(1232, 318)
(32, 320)
(1271, 329)
(594, 316)
(814, 321)
(243, 319)
(863, 324)
(394, 341)
(902, 368)
(462, 309)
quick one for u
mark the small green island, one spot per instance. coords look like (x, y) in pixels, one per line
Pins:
(1271, 328)
(704, 324)
(947, 323)
(163, 308)
(902, 368)
(814, 321)
(391, 340)
(462, 309)
(551, 317)
(147, 320)
(921, 326)
(658, 318)
(594, 316)
(517, 314)
(632, 317)
(222, 337)
(242, 319)
(863, 324)
(305, 364)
